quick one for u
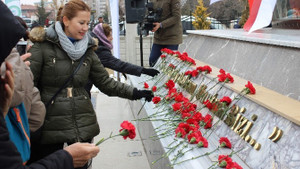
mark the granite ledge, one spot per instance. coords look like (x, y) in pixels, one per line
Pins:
(269, 36)
(276, 102)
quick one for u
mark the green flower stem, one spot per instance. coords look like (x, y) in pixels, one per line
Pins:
(102, 140)
(193, 158)
(157, 114)
(167, 127)
(180, 153)
(230, 155)
(167, 154)
(141, 108)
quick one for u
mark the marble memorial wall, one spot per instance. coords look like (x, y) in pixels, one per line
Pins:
(260, 138)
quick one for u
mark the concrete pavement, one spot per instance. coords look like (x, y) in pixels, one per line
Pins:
(116, 153)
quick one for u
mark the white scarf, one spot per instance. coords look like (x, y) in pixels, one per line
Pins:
(74, 50)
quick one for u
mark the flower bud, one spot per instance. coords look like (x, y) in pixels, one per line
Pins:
(223, 144)
(200, 144)
(178, 135)
(124, 132)
(193, 139)
(223, 164)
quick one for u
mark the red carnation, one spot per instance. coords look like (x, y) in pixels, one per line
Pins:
(233, 165)
(222, 77)
(229, 78)
(176, 106)
(206, 69)
(154, 88)
(227, 100)
(195, 73)
(156, 100)
(207, 121)
(146, 86)
(179, 97)
(188, 73)
(222, 71)
(200, 68)
(224, 160)
(194, 137)
(249, 88)
(180, 132)
(128, 130)
(208, 104)
(172, 66)
(163, 56)
(202, 142)
(224, 142)
(170, 84)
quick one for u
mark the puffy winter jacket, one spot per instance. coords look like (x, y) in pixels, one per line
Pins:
(71, 117)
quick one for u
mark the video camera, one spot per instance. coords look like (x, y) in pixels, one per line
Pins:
(151, 17)
(138, 11)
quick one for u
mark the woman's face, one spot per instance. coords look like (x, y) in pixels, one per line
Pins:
(109, 37)
(78, 26)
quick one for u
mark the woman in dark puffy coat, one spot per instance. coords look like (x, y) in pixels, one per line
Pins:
(72, 156)
(56, 54)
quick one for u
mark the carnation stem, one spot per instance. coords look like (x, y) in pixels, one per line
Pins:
(202, 155)
(141, 108)
(102, 140)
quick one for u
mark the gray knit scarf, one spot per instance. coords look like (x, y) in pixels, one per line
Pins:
(74, 50)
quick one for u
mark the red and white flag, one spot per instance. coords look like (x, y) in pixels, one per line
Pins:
(213, 1)
(261, 12)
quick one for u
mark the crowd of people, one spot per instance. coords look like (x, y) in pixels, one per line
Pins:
(45, 93)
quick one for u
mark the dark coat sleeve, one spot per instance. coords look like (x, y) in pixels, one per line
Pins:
(10, 32)
(11, 159)
(109, 61)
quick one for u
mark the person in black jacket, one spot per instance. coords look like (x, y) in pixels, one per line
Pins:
(103, 33)
(75, 155)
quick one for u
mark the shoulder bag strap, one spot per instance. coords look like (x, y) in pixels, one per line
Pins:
(66, 82)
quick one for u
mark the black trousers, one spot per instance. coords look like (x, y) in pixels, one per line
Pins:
(39, 151)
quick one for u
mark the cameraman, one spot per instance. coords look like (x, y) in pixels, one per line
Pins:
(168, 31)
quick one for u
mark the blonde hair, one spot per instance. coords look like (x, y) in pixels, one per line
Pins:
(70, 9)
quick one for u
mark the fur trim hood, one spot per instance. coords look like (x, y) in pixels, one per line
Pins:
(39, 34)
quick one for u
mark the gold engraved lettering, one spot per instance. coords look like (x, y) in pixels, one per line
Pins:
(243, 109)
(204, 97)
(238, 117)
(236, 110)
(257, 146)
(252, 142)
(248, 138)
(254, 117)
(214, 98)
(191, 88)
(240, 131)
(247, 129)
(180, 78)
(278, 136)
(172, 72)
(201, 91)
(176, 77)
(183, 80)
(241, 125)
(273, 134)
